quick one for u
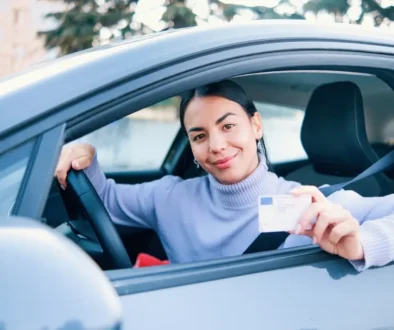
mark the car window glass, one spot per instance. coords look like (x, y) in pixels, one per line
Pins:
(282, 132)
(13, 164)
(139, 141)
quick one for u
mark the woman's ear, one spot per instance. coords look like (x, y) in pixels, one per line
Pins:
(257, 125)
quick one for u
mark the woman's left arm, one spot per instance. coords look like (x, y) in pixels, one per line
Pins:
(357, 228)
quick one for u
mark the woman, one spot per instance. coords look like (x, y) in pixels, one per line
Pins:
(216, 215)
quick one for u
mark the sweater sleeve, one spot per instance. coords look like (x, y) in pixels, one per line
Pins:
(376, 218)
(130, 205)
(377, 239)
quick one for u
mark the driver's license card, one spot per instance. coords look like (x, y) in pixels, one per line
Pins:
(281, 212)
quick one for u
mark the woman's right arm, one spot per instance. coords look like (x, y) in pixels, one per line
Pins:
(131, 205)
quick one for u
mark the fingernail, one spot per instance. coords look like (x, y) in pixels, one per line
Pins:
(298, 229)
(76, 165)
(61, 186)
(314, 240)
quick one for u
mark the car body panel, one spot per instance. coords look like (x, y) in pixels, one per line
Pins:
(323, 295)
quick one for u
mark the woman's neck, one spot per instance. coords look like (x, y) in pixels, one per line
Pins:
(246, 192)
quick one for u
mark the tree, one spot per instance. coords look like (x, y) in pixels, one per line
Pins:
(79, 27)
(340, 10)
(178, 15)
(229, 11)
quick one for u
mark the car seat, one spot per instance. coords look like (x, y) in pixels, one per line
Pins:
(334, 137)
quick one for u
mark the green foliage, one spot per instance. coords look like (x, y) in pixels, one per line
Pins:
(337, 7)
(379, 13)
(79, 26)
(178, 15)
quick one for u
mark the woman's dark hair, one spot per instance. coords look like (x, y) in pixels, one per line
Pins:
(227, 89)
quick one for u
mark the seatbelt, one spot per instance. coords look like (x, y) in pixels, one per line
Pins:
(272, 241)
(381, 165)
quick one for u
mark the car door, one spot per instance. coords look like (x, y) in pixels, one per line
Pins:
(299, 289)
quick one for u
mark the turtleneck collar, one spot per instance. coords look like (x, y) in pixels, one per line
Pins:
(247, 191)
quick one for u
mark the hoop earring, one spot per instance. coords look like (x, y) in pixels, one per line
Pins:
(196, 162)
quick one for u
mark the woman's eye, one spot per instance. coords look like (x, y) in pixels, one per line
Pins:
(198, 137)
(228, 126)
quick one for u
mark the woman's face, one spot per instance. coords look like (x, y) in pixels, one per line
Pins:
(223, 137)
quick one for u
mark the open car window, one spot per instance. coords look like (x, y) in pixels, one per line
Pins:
(132, 150)
(139, 141)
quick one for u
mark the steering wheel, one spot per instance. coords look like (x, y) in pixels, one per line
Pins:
(98, 216)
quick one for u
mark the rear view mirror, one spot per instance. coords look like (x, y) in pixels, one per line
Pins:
(47, 282)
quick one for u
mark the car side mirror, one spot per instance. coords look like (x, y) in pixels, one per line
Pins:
(48, 282)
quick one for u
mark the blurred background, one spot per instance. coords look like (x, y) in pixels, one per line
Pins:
(35, 31)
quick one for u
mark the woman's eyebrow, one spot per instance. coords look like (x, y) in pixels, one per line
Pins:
(195, 129)
(217, 122)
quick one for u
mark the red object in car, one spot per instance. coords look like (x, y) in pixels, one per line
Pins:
(146, 260)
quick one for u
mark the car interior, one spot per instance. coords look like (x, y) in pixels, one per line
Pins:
(348, 124)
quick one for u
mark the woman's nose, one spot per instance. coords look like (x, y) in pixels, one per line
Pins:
(217, 143)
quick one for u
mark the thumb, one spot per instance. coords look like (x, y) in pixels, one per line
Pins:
(81, 163)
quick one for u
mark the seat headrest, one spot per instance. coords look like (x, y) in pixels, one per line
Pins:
(333, 131)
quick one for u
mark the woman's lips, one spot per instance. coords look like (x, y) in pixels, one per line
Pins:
(224, 162)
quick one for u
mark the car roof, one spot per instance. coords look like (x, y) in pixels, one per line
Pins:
(36, 91)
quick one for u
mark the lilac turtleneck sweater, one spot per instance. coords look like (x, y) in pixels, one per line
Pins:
(200, 218)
